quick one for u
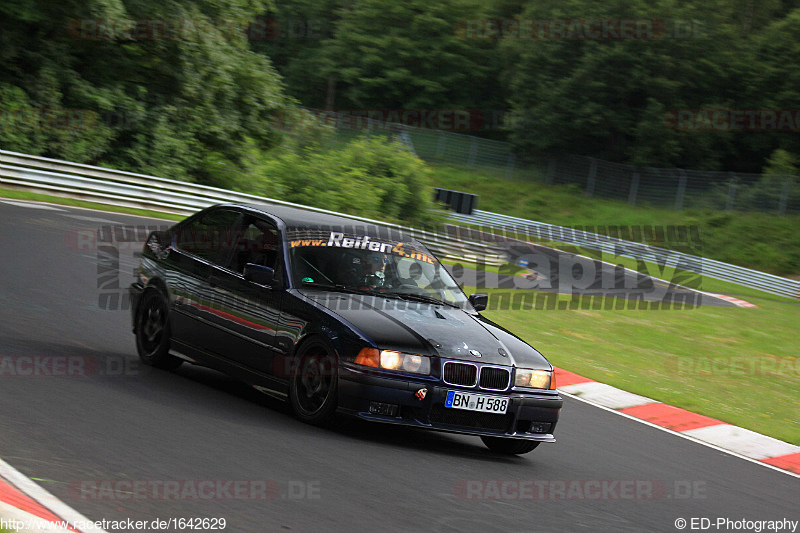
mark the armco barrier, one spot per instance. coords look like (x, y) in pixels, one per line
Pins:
(508, 225)
(115, 187)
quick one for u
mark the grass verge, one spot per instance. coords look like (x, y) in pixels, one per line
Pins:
(738, 365)
(18, 194)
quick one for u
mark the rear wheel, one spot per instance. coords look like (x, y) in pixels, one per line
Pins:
(152, 332)
(509, 446)
(313, 388)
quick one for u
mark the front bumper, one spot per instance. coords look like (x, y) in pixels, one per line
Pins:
(530, 416)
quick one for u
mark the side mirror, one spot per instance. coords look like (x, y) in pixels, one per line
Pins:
(260, 274)
(479, 301)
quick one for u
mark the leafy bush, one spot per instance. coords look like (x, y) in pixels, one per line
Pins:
(374, 178)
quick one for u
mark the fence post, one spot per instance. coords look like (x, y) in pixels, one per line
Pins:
(784, 196)
(681, 189)
(473, 151)
(551, 171)
(731, 192)
(592, 177)
(510, 166)
(440, 145)
(634, 188)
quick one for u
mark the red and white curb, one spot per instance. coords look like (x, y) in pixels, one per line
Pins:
(741, 442)
(25, 506)
(736, 301)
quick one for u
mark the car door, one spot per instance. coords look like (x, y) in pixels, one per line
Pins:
(245, 314)
(198, 248)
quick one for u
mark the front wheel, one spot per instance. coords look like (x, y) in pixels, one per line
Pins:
(509, 446)
(313, 388)
(152, 332)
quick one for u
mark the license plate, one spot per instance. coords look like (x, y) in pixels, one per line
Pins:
(476, 402)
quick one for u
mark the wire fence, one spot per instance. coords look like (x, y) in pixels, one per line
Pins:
(673, 188)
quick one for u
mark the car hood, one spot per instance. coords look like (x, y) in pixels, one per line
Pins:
(431, 329)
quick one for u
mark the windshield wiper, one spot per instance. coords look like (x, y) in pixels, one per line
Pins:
(421, 298)
(340, 288)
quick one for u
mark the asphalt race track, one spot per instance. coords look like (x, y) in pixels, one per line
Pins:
(118, 422)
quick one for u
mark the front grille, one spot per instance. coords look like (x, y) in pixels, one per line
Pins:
(460, 374)
(470, 419)
(494, 378)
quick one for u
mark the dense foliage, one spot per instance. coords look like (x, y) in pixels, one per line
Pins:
(194, 89)
(564, 91)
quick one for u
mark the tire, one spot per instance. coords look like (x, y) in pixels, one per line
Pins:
(509, 446)
(314, 386)
(152, 332)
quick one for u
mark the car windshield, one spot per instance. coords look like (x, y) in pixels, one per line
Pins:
(363, 263)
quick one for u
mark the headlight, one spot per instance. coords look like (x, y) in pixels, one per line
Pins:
(391, 360)
(534, 379)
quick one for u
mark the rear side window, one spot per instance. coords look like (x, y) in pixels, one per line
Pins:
(258, 244)
(212, 236)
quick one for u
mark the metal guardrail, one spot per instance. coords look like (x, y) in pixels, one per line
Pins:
(128, 189)
(115, 187)
(516, 227)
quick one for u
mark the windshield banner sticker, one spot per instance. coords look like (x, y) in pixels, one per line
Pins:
(364, 242)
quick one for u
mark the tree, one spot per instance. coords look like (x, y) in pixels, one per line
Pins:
(154, 86)
(611, 97)
(409, 55)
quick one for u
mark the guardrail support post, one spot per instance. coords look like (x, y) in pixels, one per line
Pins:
(590, 180)
(634, 188)
(731, 201)
(473, 151)
(551, 171)
(440, 145)
(784, 196)
(510, 165)
(681, 189)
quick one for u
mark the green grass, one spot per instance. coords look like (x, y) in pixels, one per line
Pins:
(756, 240)
(19, 194)
(698, 359)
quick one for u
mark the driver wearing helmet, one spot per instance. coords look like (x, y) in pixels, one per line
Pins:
(375, 270)
(367, 270)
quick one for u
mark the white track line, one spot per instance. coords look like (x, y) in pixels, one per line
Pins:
(36, 492)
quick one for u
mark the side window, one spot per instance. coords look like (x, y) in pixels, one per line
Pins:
(210, 237)
(258, 244)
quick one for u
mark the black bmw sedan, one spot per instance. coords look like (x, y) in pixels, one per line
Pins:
(338, 316)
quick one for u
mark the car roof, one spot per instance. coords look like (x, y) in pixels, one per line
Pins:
(297, 219)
